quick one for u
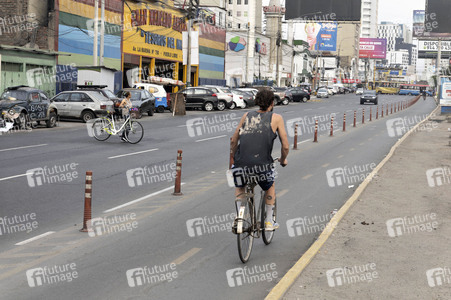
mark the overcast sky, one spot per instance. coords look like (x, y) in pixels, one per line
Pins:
(397, 11)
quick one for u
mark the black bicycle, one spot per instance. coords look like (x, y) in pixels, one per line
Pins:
(250, 224)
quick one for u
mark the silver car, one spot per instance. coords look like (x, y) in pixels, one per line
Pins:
(322, 93)
(223, 93)
(85, 105)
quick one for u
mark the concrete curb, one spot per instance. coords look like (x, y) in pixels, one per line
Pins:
(290, 277)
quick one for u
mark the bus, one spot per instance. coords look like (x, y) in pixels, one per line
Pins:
(386, 87)
(414, 89)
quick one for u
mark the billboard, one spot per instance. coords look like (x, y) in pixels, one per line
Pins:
(445, 95)
(323, 10)
(418, 23)
(321, 36)
(373, 48)
(437, 21)
(429, 49)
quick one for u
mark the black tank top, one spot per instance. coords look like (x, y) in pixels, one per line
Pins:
(256, 141)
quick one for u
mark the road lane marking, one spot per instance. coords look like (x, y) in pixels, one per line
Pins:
(340, 156)
(24, 147)
(134, 153)
(15, 176)
(361, 144)
(139, 199)
(281, 193)
(182, 126)
(352, 149)
(307, 176)
(325, 165)
(304, 142)
(212, 138)
(185, 256)
(34, 238)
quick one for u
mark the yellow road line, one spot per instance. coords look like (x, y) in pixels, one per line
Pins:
(325, 165)
(185, 256)
(307, 176)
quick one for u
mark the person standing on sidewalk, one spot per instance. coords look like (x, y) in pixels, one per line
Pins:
(252, 145)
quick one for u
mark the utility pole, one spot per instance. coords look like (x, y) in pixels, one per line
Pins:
(96, 30)
(438, 66)
(102, 31)
(247, 56)
(193, 6)
(278, 43)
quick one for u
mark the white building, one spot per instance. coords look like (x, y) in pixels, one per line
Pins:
(400, 58)
(370, 11)
(391, 31)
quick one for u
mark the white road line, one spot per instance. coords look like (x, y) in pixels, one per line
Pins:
(15, 176)
(182, 126)
(308, 109)
(212, 138)
(24, 147)
(34, 238)
(304, 141)
(134, 153)
(139, 199)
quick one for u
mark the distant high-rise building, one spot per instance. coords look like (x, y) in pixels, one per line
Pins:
(370, 12)
(391, 32)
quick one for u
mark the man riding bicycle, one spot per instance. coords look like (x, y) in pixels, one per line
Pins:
(252, 145)
(424, 94)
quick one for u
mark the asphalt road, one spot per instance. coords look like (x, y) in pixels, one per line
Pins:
(165, 231)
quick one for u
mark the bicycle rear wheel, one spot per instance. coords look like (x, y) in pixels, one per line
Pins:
(267, 235)
(246, 238)
(135, 132)
(101, 129)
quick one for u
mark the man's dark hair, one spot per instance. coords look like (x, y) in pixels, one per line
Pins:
(264, 99)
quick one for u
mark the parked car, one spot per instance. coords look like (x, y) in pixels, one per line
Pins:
(306, 87)
(249, 90)
(30, 105)
(369, 96)
(141, 99)
(322, 93)
(277, 95)
(248, 97)
(359, 91)
(224, 95)
(102, 89)
(238, 99)
(161, 96)
(201, 97)
(298, 95)
(85, 105)
(281, 93)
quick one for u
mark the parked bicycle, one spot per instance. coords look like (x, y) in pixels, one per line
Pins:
(107, 126)
(250, 224)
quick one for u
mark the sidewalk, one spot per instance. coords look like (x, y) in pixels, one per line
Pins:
(395, 241)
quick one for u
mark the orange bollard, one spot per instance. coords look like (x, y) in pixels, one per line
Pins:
(355, 118)
(295, 144)
(332, 126)
(363, 116)
(371, 114)
(178, 178)
(344, 122)
(315, 139)
(382, 111)
(387, 111)
(88, 196)
(391, 109)
(377, 112)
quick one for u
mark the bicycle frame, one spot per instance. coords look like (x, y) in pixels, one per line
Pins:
(115, 131)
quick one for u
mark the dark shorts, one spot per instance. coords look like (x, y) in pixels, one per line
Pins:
(264, 179)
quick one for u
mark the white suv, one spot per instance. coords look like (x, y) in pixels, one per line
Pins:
(223, 93)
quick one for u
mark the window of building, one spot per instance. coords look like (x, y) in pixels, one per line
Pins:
(238, 14)
(229, 25)
(239, 25)
(238, 1)
(246, 2)
(230, 13)
(230, 1)
(245, 13)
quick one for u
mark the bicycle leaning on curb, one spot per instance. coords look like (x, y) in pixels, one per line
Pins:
(104, 127)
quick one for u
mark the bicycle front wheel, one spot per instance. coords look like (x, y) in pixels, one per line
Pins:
(245, 239)
(101, 129)
(268, 235)
(134, 133)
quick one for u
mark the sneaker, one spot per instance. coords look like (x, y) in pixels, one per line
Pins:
(123, 139)
(270, 226)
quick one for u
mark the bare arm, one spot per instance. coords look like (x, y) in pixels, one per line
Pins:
(236, 135)
(283, 139)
